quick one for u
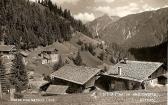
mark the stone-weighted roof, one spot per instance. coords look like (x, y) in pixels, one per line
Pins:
(56, 89)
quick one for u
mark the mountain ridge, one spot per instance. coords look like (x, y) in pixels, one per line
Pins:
(144, 29)
(97, 25)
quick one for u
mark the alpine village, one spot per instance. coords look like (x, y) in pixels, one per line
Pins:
(47, 54)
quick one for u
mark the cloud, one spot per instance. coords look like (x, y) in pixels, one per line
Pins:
(104, 9)
(85, 17)
(141, 1)
(107, 1)
(118, 11)
(165, 6)
(147, 7)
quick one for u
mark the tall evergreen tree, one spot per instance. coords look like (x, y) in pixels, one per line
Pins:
(19, 76)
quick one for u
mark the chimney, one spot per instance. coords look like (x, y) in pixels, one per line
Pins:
(125, 60)
(119, 71)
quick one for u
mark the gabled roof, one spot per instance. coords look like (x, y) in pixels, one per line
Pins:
(134, 70)
(24, 53)
(56, 89)
(7, 47)
(50, 49)
(75, 74)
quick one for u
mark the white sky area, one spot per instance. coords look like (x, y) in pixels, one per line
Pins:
(88, 10)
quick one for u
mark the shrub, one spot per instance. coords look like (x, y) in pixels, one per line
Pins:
(18, 95)
(91, 49)
(82, 47)
(101, 56)
(79, 42)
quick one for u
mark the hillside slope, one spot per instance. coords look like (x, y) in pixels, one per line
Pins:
(32, 24)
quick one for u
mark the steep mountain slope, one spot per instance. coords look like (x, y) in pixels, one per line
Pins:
(99, 24)
(138, 30)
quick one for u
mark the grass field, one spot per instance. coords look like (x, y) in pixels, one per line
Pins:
(136, 97)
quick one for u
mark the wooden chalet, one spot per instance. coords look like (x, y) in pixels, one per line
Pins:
(7, 49)
(76, 78)
(129, 75)
(49, 55)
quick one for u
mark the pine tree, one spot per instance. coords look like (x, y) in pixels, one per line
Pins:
(18, 76)
(39, 1)
(78, 59)
(50, 5)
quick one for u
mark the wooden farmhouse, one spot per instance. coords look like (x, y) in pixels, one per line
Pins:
(7, 51)
(130, 75)
(7, 55)
(73, 79)
(49, 56)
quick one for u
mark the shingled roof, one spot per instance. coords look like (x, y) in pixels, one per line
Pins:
(56, 89)
(75, 74)
(134, 70)
(7, 47)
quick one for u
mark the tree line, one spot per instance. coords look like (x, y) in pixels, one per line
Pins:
(156, 53)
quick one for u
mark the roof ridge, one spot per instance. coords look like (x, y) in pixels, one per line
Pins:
(80, 66)
(144, 61)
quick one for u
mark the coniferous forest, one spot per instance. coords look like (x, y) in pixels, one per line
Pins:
(155, 53)
(29, 25)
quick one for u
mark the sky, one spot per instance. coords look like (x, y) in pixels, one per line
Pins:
(88, 10)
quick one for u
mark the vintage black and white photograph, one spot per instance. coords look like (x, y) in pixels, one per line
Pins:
(83, 52)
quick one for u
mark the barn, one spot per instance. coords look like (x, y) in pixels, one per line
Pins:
(49, 56)
(74, 79)
(130, 75)
(7, 51)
